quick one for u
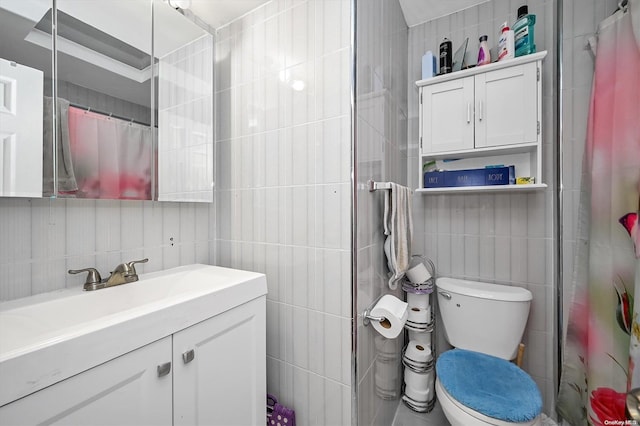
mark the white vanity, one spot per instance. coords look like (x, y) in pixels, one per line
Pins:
(181, 346)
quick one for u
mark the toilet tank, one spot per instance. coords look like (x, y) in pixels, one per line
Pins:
(483, 317)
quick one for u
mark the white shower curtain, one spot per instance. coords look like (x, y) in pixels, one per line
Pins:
(112, 158)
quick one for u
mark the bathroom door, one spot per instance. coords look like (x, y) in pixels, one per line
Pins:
(21, 98)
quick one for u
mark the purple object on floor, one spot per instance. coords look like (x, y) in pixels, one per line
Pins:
(279, 415)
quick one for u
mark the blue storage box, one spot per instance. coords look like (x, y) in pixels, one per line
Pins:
(434, 179)
(500, 175)
(471, 177)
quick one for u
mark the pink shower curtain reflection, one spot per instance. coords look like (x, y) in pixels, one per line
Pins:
(602, 352)
(112, 158)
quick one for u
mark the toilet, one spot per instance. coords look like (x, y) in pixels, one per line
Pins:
(476, 383)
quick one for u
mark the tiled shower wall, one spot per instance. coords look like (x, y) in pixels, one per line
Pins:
(381, 102)
(42, 239)
(503, 238)
(283, 161)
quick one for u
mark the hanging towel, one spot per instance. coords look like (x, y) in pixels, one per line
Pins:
(66, 175)
(398, 227)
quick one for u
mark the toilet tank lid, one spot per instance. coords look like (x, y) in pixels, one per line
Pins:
(484, 290)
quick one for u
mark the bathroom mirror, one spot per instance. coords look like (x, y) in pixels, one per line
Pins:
(25, 99)
(104, 80)
(184, 101)
(134, 103)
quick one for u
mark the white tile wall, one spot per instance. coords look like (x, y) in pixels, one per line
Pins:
(283, 189)
(44, 238)
(382, 156)
(504, 238)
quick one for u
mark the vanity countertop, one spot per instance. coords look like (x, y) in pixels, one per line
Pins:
(50, 337)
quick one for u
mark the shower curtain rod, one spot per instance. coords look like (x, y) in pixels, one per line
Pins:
(108, 114)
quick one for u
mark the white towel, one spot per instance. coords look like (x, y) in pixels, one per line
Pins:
(399, 228)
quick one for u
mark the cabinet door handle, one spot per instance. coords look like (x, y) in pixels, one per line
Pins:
(468, 112)
(480, 110)
(188, 356)
(164, 369)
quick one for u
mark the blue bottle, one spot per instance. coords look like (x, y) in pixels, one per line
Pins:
(523, 32)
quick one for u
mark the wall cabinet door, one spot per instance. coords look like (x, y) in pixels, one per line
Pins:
(128, 390)
(220, 369)
(447, 116)
(507, 106)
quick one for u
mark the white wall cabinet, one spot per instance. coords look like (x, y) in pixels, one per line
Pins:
(211, 373)
(490, 114)
(447, 116)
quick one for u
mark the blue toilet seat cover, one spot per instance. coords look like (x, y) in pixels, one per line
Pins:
(490, 385)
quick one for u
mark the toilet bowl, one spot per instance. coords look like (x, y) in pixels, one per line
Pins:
(461, 415)
(480, 389)
(476, 383)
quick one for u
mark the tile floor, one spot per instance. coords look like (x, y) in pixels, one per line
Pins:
(407, 417)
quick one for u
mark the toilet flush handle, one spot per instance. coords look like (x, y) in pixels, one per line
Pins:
(445, 295)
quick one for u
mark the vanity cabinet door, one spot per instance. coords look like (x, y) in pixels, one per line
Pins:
(128, 390)
(220, 369)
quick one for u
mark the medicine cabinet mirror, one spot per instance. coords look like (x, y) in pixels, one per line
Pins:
(26, 124)
(134, 100)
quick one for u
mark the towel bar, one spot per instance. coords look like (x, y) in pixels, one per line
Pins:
(374, 186)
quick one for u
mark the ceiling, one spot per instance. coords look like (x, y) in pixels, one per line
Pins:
(419, 11)
(220, 12)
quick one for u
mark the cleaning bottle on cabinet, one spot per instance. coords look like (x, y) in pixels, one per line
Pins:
(484, 56)
(506, 43)
(523, 32)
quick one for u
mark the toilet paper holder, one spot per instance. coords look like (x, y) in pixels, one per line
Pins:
(367, 317)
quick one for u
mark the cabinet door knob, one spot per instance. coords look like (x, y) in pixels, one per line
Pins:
(188, 356)
(164, 369)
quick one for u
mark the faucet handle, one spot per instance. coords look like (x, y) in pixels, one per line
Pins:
(93, 276)
(132, 269)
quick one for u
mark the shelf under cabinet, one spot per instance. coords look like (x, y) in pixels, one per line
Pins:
(483, 152)
(485, 188)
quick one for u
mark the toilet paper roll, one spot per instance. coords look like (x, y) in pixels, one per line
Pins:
(419, 382)
(419, 315)
(395, 313)
(418, 274)
(418, 300)
(423, 338)
(418, 352)
(425, 391)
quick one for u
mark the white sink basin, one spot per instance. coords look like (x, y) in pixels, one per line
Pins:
(73, 325)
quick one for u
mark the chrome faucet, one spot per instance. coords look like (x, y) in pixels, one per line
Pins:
(124, 273)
